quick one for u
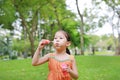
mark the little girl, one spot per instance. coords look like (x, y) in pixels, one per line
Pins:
(62, 65)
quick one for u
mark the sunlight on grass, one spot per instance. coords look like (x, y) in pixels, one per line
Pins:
(89, 68)
(98, 67)
(109, 53)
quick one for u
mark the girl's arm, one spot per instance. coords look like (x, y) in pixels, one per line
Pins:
(37, 60)
(73, 72)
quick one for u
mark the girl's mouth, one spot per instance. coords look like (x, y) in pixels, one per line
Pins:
(57, 44)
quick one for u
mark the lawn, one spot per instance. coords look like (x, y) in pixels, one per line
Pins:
(89, 68)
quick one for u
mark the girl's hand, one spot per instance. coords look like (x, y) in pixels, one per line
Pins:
(68, 69)
(43, 42)
(65, 68)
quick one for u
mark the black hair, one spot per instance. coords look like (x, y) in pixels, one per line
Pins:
(67, 51)
(68, 39)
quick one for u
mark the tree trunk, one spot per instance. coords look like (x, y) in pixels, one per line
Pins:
(32, 44)
(81, 30)
(118, 47)
(112, 25)
(117, 52)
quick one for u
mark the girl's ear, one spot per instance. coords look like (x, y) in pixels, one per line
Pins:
(68, 43)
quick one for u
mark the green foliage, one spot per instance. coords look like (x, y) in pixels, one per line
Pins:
(14, 57)
(20, 45)
(112, 3)
(70, 26)
(7, 14)
(53, 16)
(94, 39)
(2, 45)
(87, 40)
(108, 39)
(75, 39)
(5, 44)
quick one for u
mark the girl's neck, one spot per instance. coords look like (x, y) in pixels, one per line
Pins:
(61, 52)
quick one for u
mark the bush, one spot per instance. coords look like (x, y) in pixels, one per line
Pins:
(14, 57)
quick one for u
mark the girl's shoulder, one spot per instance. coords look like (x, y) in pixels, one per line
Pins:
(51, 54)
(71, 57)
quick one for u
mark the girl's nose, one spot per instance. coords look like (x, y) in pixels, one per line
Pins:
(57, 40)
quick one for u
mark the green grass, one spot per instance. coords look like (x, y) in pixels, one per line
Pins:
(99, 67)
(89, 68)
(22, 70)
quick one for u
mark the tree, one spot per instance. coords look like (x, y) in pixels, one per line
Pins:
(42, 18)
(33, 14)
(114, 6)
(81, 29)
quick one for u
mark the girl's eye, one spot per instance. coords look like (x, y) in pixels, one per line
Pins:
(55, 38)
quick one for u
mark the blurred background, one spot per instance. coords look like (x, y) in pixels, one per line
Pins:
(94, 26)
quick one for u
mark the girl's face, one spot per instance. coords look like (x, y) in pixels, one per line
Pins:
(60, 41)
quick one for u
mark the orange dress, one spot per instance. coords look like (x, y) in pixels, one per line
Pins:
(55, 69)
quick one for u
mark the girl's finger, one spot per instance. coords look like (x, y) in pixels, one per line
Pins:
(45, 42)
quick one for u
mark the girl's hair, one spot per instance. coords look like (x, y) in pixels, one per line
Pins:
(68, 39)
